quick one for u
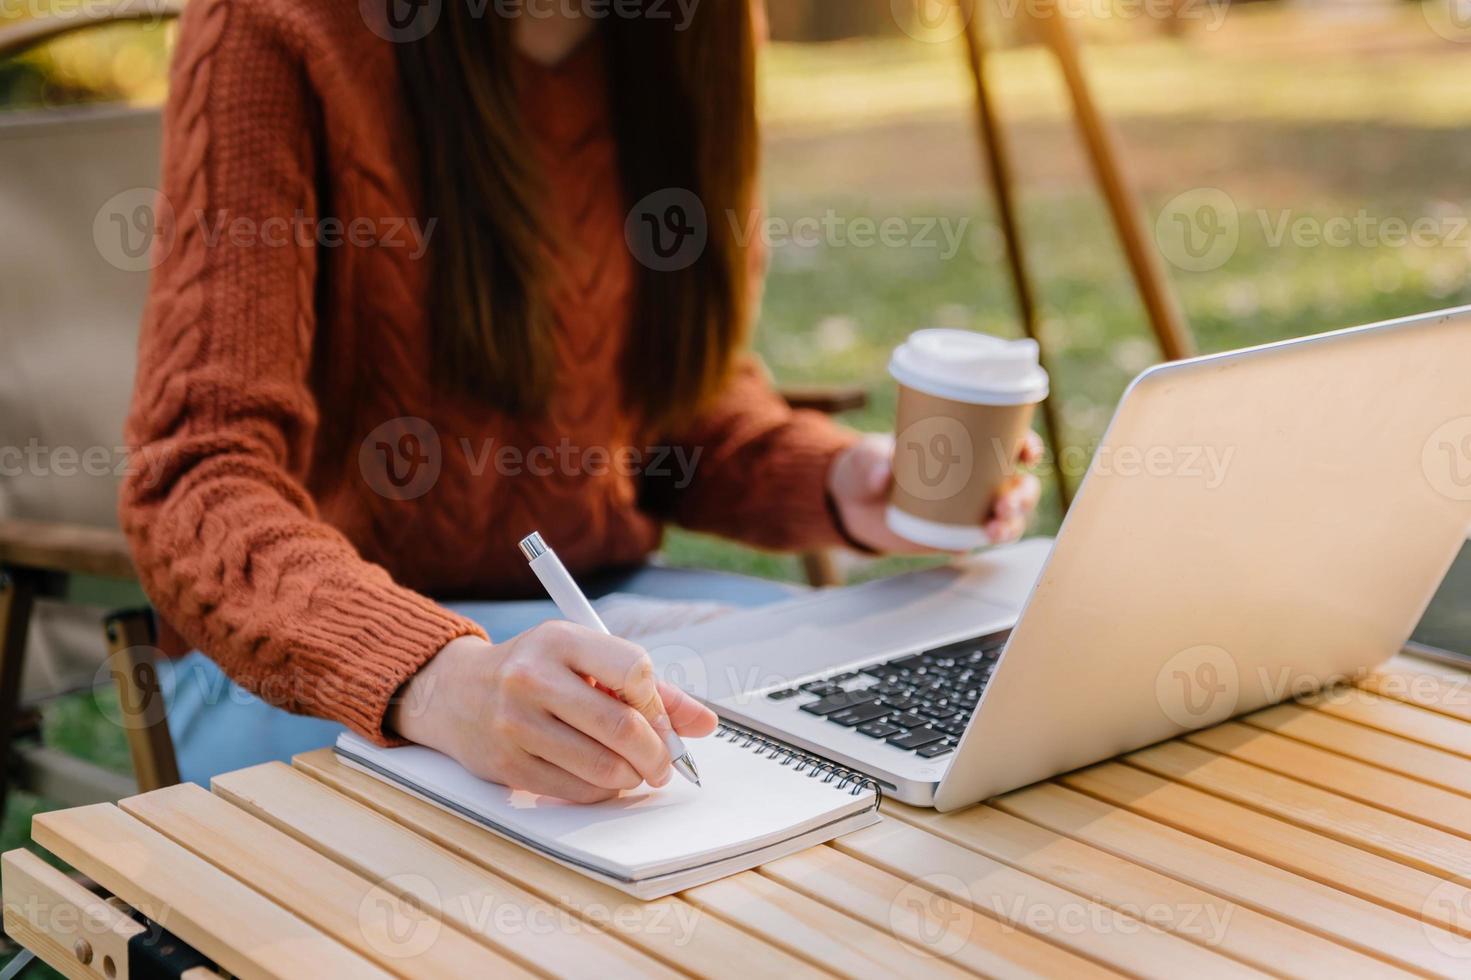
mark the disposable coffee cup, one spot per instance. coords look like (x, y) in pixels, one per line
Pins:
(965, 405)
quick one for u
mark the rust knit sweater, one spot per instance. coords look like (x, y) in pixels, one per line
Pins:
(301, 487)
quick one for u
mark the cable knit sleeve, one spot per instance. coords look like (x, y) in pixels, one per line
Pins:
(756, 469)
(225, 536)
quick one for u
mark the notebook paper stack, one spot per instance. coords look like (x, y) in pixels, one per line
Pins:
(760, 800)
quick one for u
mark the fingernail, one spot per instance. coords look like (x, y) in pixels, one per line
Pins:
(662, 723)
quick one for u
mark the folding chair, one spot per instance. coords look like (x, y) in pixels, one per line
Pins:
(66, 355)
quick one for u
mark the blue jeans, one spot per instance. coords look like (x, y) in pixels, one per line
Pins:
(218, 726)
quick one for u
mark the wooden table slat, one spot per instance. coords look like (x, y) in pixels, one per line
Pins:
(1409, 798)
(813, 930)
(1024, 902)
(1249, 881)
(1359, 824)
(935, 923)
(480, 903)
(383, 927)
(1192, 913)
(1355, 741)
(670, 928)
(1286, 845)
(1399, 718)
(1437, 687)
(240, 929)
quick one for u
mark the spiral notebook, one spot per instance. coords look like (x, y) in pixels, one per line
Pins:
(760, 800)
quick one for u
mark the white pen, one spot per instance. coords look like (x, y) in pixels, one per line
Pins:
(574, 605)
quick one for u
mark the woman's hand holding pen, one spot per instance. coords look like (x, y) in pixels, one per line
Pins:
(530, 713)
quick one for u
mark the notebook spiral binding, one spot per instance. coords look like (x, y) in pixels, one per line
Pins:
(853, 781)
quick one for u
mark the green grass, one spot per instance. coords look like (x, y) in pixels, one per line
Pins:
(1275, 110)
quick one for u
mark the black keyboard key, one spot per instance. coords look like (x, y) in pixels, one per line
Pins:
(782, 695)
(916, 739)
(845, 676)
(938, 713)
(879, 729)
(821, 688)
(838, 702)
(909, 721)
(905, 663)
(933, 751)
(859, 715)
(901, 703)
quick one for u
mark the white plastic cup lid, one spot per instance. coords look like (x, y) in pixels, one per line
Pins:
(970, 367)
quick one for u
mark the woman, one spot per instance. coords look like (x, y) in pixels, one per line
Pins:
(398, 325)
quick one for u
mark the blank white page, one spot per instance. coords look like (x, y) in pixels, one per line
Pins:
(748, 800)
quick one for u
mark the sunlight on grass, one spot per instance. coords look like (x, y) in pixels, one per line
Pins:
(1229, 74)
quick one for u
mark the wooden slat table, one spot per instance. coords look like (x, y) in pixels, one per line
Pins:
(1330, 838)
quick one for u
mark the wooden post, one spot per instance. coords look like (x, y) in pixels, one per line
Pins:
(998, 168)
(140, 699)
(821, 569)
(17, 597)
(1149, 274)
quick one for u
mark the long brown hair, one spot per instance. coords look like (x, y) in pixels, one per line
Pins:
(683, 115)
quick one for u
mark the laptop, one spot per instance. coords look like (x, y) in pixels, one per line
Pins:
(1253, 526)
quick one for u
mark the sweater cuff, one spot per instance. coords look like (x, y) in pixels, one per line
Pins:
(799, 481)
(376, 644)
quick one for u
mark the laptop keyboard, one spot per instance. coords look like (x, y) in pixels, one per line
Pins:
(920, 702)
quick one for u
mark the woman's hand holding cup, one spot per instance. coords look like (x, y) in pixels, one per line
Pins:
(950, 479)
(860, 481)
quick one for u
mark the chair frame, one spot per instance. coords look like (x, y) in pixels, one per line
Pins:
(37, 560)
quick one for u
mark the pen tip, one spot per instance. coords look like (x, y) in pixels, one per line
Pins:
(685, 766)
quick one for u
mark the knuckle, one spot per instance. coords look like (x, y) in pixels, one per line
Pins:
(503, 729)
(608, 769)
(554, 633)
(640, 673)
(520, 675)
(623, 727)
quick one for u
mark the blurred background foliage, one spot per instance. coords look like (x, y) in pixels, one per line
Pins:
(1303, 111)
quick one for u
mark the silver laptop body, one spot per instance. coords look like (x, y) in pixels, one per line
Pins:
(1253, 526)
